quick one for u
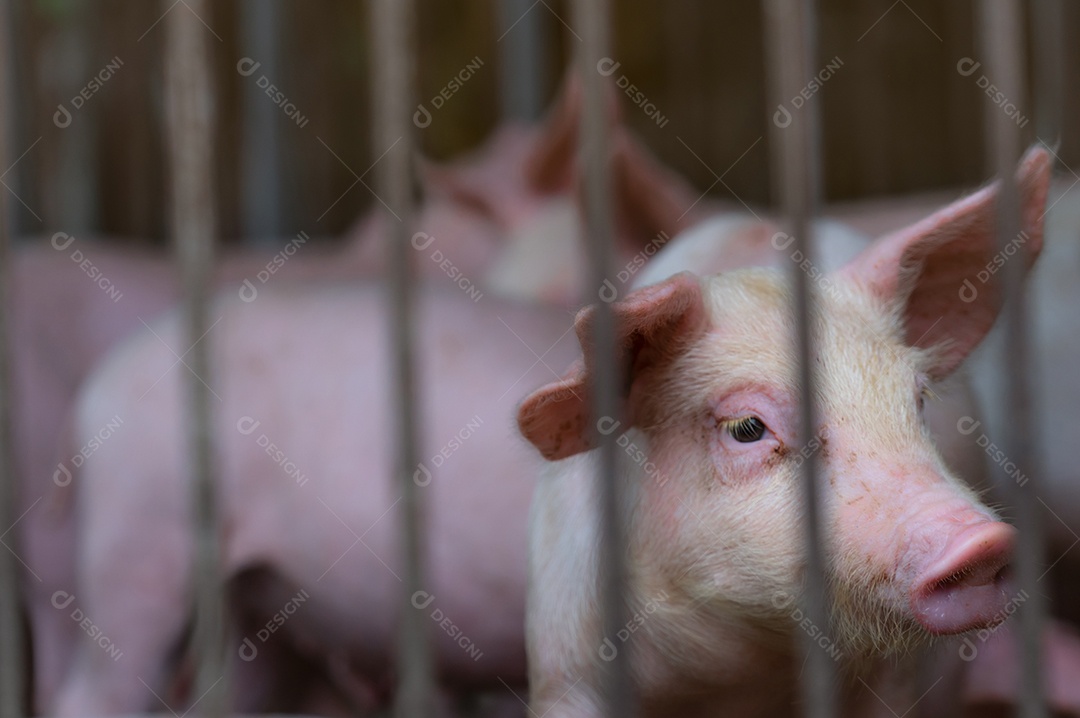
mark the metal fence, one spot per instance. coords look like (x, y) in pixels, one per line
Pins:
(796, 176)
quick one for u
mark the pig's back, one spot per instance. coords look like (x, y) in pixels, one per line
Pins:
(310, 482)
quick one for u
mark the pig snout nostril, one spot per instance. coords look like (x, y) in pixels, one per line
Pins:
(967, 586)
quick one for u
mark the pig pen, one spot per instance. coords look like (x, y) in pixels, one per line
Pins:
(796, 176)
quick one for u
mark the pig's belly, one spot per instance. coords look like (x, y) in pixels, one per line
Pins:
(346, 567)
(319, 506)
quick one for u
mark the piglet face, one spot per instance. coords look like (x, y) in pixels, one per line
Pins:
(712, 404)
(911, 551)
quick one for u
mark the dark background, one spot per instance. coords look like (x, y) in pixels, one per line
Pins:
(897, 116)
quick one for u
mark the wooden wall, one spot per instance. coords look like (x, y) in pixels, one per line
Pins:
(898, 116)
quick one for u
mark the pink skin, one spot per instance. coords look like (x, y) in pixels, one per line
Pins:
(474, 209)
(714, 526)
(63, 324)
(328, 414)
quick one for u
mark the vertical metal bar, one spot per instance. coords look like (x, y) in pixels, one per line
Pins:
(13, 673)
(189, 116)
(592, 18)
(1000, 29)
(1049, 29)
(70, 198)
(264, 205)
(523, 58)
(21, 178)
(791, 26)
(393, 27)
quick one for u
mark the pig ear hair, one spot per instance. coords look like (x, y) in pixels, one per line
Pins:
(551, 164)
(652, 325)
(931, 268)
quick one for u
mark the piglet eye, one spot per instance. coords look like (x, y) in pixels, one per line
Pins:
(747, 429)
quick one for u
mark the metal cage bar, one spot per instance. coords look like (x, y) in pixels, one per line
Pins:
(592, 19)
(13, 673)
(795, 171)
(1049, 24)
(1000, 28)
(393, 25)
(189, 115)
(523, 61)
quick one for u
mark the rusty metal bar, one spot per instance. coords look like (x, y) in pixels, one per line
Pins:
(392, 25)
(592, 18)
(1000, 28)
(13, 669)
(523, 59)
(791, 27)
(189, 116)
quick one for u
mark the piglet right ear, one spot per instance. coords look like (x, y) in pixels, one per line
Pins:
(652, 325)
(938, 270)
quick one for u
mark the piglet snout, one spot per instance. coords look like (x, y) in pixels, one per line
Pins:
(965, 587)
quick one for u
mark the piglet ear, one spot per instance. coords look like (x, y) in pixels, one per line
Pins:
(550, 166)
(652, 325)
(940, 271)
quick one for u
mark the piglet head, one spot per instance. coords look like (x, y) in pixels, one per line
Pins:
(711, 411)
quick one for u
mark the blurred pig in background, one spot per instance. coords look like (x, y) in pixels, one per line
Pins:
(491, 215)
(306, 459)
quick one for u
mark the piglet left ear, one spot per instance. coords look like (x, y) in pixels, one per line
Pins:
(652, 326)
(932, 269)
